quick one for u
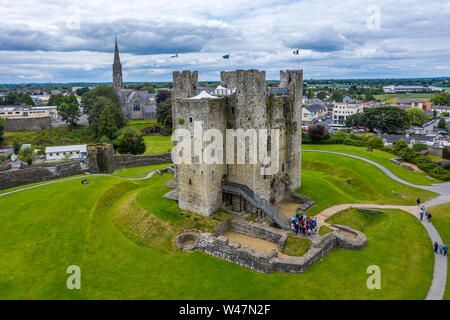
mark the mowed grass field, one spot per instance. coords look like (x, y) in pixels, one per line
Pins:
(139, 172)
(331, 179)
(158, 144)
(381, 157)
(441, 220)
(120, 233)
(393, 97)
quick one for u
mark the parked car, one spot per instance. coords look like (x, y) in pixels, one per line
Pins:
(443, 132)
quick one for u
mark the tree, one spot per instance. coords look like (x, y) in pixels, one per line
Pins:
(69, 112)
(376, 142)
(434, 114)
(130, 141)
(419, 147)
(337, 96)
(81, 91)
(442, 124)
(391, 120)
(400, 145)
(115, 115)
(322, 95)
(106, 126)
(442, 99)
(318, 132)
(98, 98)
(416, 116)
(55, 100)
(2, 129)
(27, 155)
(164, 113)
(162, 96)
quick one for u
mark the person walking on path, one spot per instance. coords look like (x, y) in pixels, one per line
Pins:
(421, 215)
(444, 249)
(429, 216)
(441, 251)
(436, 246)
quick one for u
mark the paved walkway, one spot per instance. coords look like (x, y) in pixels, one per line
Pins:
(437, 289)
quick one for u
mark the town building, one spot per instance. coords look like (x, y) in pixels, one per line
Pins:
(136, 105)
(313, 112)
(398, 89)
(29, 112)
(342, 110)
(60, 153)
(411, 103)
(441, 109)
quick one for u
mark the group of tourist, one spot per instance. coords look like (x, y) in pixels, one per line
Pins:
(441, 248)
(302, 224)
(424, 212)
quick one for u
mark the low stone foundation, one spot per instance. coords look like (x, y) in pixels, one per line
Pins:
(218, 245)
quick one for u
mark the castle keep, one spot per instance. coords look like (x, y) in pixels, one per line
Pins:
(242, 101)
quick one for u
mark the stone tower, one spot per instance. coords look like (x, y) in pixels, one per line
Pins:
(117, 69)
(248, 103)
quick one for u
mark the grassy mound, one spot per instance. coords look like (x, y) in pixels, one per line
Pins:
(383, 158)
(324, 230)
(331, 179)
(296, 246)
(356, 219)
(139, 172)
(115, 231)
(441, 220)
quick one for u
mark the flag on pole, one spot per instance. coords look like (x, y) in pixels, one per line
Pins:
(295, 52)
(175, 56)
(227, 56)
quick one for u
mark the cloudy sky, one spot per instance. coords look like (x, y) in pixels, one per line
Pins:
(70, 41)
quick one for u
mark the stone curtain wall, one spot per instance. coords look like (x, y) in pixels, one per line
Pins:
(219, 246)
(128, 161)
(34, 174)
(27, 124)
(101, 158)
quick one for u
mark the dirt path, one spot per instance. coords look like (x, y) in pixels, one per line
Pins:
(258, 244)
(288, 208)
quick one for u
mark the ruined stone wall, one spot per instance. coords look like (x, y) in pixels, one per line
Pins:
(27, 124)
(102, 159)
(219, 246)
(34, 174)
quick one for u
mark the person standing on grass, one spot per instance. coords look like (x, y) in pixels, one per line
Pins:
(429, 216)
(436, 246)
(418, 202)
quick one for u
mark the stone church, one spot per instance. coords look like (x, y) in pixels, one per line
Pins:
(136, 105)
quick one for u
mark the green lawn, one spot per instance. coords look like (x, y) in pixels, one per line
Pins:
(331, 179)
(419, 178)
(120, 233)
(141, 124)
(323, 230)
(296, 246)
(138, 172)
(441, 220)
(393, 97)
(158, 144)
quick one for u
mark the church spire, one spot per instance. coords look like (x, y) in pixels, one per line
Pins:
(117, 69)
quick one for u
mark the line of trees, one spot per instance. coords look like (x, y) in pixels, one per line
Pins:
(390, 120)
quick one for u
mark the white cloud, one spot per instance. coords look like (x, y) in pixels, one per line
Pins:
(42, 38)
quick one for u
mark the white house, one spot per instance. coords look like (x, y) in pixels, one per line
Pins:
(77, 152)
(342, 110)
